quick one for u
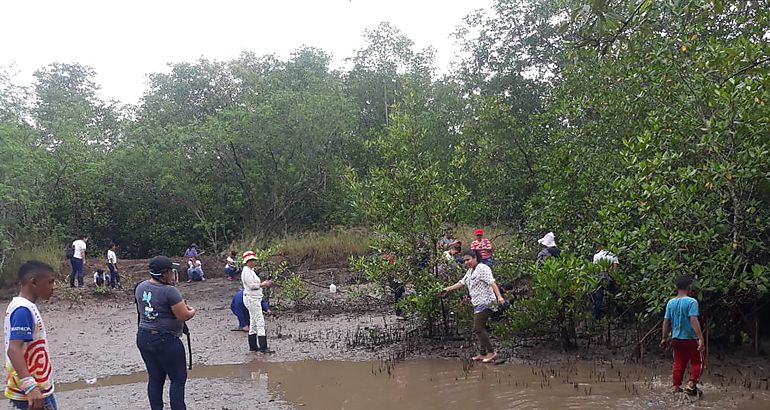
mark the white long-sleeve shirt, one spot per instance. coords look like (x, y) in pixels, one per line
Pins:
(251, 284)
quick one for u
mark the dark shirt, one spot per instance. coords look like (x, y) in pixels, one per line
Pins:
(154, 302)
(552, 251)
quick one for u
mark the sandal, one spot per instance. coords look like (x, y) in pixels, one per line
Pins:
(691, 390)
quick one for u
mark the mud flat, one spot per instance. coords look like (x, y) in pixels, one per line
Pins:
(339, 355)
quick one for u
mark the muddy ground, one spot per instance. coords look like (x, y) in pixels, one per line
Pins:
(97, 365)
(92, 336)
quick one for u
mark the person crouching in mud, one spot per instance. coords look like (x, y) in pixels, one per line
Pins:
(162, 313)
(484, 292)
(252, 298)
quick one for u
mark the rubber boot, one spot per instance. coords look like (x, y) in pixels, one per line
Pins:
(253, 346)
(263, 345)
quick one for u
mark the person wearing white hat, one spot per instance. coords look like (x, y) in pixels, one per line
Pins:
(252, 298)
(550, 249)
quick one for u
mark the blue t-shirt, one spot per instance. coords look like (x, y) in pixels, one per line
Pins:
(679, 311)
(22, 324)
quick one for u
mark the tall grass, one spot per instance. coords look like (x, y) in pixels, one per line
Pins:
(51, 254)
(329, 248)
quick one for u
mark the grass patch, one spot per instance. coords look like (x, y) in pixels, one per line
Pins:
(331, 248)
(320, 249)
(51, 254)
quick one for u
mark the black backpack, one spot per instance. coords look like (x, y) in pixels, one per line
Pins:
(70, 252)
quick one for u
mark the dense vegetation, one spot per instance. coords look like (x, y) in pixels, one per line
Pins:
(640, 125)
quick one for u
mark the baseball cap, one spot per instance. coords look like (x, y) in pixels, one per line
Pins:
(160, 264)
(478, 232)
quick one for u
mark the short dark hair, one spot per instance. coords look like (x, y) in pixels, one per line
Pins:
(683, 282)
(33, 268)
(472, 253)
(112, 245)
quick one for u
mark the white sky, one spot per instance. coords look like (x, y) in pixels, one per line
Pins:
(126, 40)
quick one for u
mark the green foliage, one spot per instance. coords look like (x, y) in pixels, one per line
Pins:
(294, 289)
(640, 126)
(102, 291)
(559, 297)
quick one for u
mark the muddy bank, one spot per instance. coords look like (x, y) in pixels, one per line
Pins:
(337, 354)
(96, 337)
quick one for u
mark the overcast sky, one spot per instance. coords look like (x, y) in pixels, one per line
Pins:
(126, 40)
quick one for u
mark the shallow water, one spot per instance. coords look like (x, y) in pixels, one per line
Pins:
(436, 383)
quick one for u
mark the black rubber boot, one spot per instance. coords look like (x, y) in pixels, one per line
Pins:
(263, 345)
(253, 346)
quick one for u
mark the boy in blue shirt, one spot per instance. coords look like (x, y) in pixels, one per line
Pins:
(681, 320)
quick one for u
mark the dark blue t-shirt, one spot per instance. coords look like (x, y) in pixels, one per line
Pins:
(22, 324)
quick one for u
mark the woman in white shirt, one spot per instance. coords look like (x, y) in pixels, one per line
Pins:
(252, 298)
(484, 292)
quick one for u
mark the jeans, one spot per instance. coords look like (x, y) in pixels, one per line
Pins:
(230, 272)
(114, 276)
(77, 271)
(195, 274)
(163, 355)
(49, 403)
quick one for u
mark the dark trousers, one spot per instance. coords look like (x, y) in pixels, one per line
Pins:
(480, 330)
(398, 293)
(240, 311)
(598, 297)
(163, 355)
(114, 275)
(77, 271)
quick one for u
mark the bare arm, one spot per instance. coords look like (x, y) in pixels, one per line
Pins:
(666, 329)
(499, 295)
(452, 288)
(698, 331)
(182, 311)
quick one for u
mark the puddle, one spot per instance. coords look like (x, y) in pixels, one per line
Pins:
(436, 383)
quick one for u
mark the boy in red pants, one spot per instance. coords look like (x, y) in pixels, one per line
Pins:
(686, 336)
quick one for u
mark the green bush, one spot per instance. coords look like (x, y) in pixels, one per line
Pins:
(295, 289)
(559, 298)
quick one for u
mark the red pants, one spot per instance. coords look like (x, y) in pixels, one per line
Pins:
(686, 350)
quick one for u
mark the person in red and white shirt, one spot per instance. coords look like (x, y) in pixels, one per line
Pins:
(484, 246)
